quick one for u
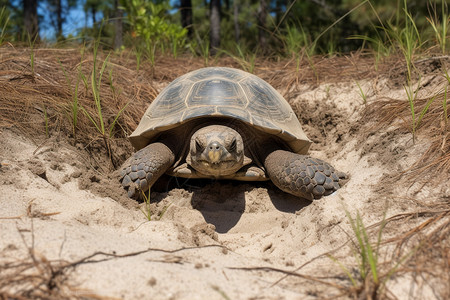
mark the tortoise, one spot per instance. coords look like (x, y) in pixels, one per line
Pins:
(225, 123)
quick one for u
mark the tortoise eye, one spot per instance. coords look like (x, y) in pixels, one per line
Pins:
(198, 146)
(232, 147)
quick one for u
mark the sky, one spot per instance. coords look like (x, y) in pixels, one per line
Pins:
(75, 20)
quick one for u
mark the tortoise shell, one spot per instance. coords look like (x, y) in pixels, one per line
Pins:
(225, 93)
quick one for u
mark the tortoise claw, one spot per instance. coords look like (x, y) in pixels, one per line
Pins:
(302, 175)
(141, 170)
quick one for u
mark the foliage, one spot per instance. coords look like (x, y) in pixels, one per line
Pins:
(151, 28)
(295, 39)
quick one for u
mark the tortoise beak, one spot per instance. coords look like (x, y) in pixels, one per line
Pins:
(214, 152)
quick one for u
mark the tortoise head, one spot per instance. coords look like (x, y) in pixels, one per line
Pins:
(216, 150)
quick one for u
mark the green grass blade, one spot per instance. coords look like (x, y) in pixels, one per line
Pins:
(85, 81)
(346, 271)
(96, 85)
(338, 20)
(95, 94)
(75, 105)
(371, 256)
(361, 92)
(74, 108)
(111, 127)
(3, 20)
(363, 245)
(424, 110)
(90, 118)
(361, 258)
(147, 212)
(105, 62)
(96, 101)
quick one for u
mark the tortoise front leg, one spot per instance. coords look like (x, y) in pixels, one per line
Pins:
(302, 175)
(141, 170)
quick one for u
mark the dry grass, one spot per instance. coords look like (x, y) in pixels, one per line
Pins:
(420, 251)
(25, 97)
(429, 244)
(34, 276)
(434, 128)
(396, 113)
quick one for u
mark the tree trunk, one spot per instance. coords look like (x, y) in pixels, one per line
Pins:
(94, 12)
(262, 16)
(215, 26)
(118, 16)
(59, 20)
(186, 16)
(227, 5)
(237, 31)
(31, 19)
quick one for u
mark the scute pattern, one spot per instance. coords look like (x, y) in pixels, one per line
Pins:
(221, 92)
(217, 92)
(199, 112)
(170, 101)
(265, 101)
(207, 73)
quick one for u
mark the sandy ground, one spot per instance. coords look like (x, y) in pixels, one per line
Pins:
(220, 240)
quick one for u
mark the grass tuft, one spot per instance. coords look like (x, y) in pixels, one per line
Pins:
(98, 120)
(361, 93)
(404, 38)
(365, 254)
(245, 60)
(371, 277)
(74, 106)
(416, 121)
(440, 26)
(147, 211)
(32, 44)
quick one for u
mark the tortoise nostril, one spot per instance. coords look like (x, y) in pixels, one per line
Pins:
(214, 147)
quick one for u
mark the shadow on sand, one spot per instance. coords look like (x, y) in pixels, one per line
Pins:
(223, 203)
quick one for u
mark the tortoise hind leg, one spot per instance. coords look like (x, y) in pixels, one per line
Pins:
(141, 170)
(302, 175)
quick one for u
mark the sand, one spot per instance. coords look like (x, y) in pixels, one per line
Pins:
(217, 240)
